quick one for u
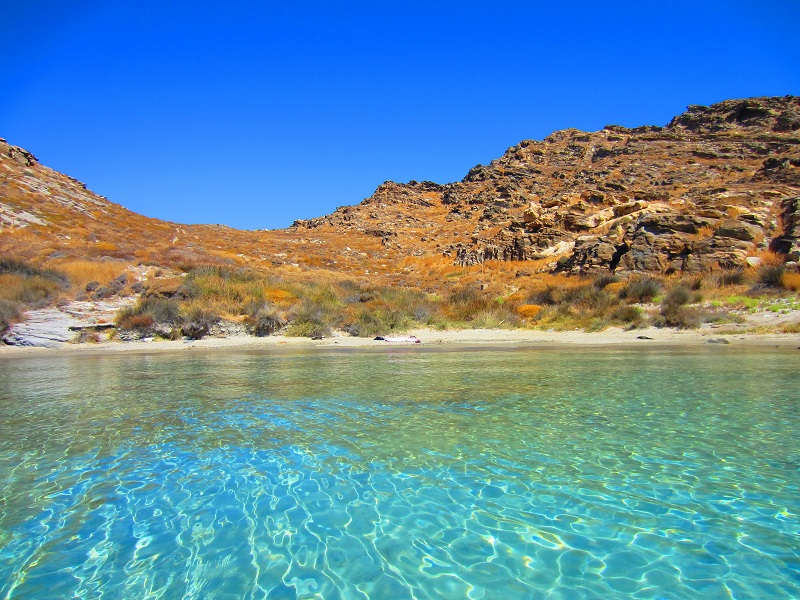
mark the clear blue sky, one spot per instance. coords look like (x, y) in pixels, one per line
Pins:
(254, 114)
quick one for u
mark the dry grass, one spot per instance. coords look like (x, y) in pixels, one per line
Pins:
(81, 272)
(529, 311)
(791, 281)
(23, 286)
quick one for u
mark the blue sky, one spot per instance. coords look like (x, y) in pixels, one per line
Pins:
(253, 114)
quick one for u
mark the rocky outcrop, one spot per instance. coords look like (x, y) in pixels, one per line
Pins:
(710, 189)
(55, 327)
(788, 241)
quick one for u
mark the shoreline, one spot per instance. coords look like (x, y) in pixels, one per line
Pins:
(464, 339)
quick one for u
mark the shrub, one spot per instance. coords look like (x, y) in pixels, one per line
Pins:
(529, 311)
(9, 312)
(265, 320)
(681, 317)
(770, 275)
(163, 310)
(694, 283)
(18, 267)
(136, 322)
(791, 281)
(32, 291)
(547, 296)
(366, 323)
(30, 286)
(605, 279)
(494, 319)
(616, 287)
(641, 289)
(310, 329)
(148, 312)
(597, 324)
(678, 296)
(86, 337)
(81, 272)
(464, 304)
(312, 318)
(629, 315)
(196, 321)
(730, 277)
(675, 313)
(594, 301)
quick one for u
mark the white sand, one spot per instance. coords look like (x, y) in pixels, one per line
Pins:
(466, 338)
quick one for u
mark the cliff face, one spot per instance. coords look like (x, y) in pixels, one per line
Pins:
(708, 190)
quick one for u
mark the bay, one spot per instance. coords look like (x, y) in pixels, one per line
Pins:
(401, 473)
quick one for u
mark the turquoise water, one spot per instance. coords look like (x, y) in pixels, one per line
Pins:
(401, 474)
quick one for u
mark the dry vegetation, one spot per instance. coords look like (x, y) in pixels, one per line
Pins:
(23, 286)
(317, 302)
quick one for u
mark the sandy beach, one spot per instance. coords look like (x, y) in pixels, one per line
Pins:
(454, 339)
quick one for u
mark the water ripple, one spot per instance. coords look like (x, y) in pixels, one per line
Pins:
(441, 475)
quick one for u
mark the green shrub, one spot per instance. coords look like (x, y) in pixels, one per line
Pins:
(265, 320)
(310, 329)
(770, 276)
(595, 301)
(465, 303)
(678, 296)
(366, 323)
(730, 277)
(679, 316)
(196, 322)
(694, 283)
(547, 296)
(597, 324)
(629, 315)
(148, 312)
(10, 311)
(641, 289)
(602, 280)
(313, 316)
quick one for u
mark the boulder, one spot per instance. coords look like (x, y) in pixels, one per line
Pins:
(594, 254)
(734, 228)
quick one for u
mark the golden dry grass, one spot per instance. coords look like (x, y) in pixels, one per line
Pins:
(29, 290)
(791, 281)
(81, 272)
(529, 311)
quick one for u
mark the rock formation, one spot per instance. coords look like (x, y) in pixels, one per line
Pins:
(715, 186)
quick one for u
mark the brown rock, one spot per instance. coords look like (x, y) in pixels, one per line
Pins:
(739, 230)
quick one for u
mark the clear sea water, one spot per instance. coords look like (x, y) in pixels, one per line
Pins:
(402, 473)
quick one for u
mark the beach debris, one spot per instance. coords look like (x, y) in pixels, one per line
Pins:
(412, 339)
(717, 341)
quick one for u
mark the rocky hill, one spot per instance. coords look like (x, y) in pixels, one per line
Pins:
(711, 189)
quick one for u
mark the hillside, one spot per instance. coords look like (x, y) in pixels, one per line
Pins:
(711, 189)
(693, 224)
